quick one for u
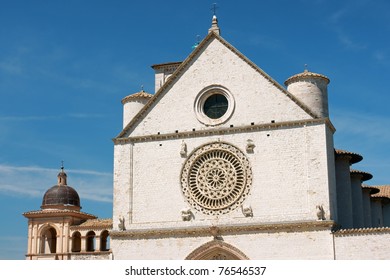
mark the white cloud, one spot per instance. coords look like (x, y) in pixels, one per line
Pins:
(368, 135)
(48, 117)
(368, 126)
(350, 43)
(338, 15)
(340, 20)
(33, 181)
(265, 41)
(11, 66)
(381, 57)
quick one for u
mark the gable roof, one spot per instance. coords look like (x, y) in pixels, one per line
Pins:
(187, 61)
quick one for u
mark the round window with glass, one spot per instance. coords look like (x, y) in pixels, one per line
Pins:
(214, 105)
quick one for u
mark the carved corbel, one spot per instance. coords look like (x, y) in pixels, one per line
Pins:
(183, 149)
(247, 211)
(320, 213)
(121, 224)
(186, 214)
(250, 146)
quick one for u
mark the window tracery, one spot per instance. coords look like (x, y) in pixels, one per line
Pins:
(216, 178)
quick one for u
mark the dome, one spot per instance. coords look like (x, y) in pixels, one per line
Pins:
(61, 196)
(306, 74)
(137, 96)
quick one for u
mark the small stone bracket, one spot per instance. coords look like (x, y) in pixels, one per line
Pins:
(187, 215)
(250, 146)
(320, 213)
(121, 224)
(247, 211)
(183, 149)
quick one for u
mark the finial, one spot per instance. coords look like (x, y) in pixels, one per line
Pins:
(306, 70)
(214, 9)
(214, 25)
(142, 87)
(62, 175)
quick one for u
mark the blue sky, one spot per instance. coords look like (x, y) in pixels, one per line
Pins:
(66, 65)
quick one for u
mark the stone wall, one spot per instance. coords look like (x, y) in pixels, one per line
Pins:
(304, 245)
(363, 244)
(289, 167)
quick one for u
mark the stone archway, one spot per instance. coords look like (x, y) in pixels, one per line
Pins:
(216, 250)
(48, 241)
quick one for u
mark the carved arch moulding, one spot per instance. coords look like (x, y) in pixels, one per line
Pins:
(216, 250)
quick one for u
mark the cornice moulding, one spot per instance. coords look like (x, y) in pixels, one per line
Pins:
(223, 229)
(226, 130)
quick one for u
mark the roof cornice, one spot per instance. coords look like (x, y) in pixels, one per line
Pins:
(353, 157)
(362, 231)
(365, 176)
(58, 213)
(384, 191)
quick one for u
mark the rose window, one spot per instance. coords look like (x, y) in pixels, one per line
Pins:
(216, 178)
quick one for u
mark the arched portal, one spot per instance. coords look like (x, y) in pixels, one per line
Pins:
(76, 242)
(90, 241)
(48, 242)
(217, 250)
(104, 241)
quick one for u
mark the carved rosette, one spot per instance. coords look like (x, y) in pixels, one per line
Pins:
(216, 178)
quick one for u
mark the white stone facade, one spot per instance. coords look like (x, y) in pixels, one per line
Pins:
(169, 183)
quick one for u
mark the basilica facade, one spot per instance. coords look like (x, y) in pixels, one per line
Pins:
(223, 162)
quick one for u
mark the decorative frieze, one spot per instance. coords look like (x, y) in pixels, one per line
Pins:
(229, 229)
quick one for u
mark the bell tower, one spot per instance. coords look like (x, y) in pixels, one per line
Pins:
(49, 229)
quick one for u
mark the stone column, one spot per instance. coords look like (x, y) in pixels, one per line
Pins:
(357, 200)
(35, 238)
(367, 206)
(344, 192)
(386, 212)
(376, 212)
(357, 177)
(83, 244)
(97, 243)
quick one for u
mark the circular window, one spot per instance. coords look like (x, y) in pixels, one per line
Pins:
(216, 178)
(214, 105)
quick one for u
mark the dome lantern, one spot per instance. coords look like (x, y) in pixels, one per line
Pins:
(61, 196)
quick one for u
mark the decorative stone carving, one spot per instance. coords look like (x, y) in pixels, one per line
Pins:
(183, 149)
(186, 214)
(320, 213)
(216, 178)
(214, 231)
(250, 146)
(247, 211)
(121, 224)
(219, 256)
